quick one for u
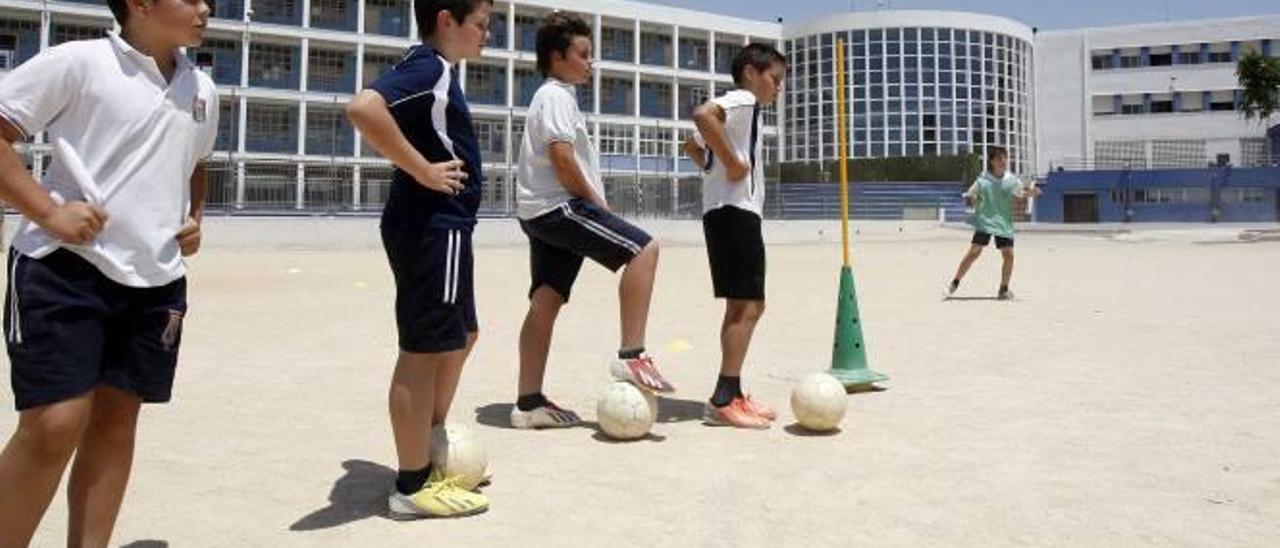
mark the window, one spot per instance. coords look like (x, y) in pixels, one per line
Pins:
(333, 14)
(66, 33)
(655, 141)
(1219, 57)
(1130, 61)
(1222, 106)
(617, 45)
(655, 49)
(271, 128)
(527, 84)
(328, 132)
(283, 12)
(386, 17)
(1161, 107)
(693, 54)
(526, 33)
(1131, 109)
(486, 84)
(1173, 195)
(272, 66)
(1189, 58)
(331, 70)
(617, 140)
(1244, 195)
(1161, 59)
(492, 136)
(498, 30)
(616, 96)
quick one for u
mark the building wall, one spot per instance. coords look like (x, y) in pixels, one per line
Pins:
(1174, 195)
(922, 83)
(285, 72)
(1150, 87)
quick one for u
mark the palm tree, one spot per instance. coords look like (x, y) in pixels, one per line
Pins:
(1259, 75)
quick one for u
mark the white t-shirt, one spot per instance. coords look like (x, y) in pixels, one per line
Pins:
(138, 137)
(742, 124)
(553, 118)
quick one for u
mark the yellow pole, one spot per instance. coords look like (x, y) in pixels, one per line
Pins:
(841, 122)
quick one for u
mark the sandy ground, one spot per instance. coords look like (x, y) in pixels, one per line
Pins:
(1128, 399)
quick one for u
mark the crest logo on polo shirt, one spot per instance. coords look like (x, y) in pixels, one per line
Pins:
(198, 109)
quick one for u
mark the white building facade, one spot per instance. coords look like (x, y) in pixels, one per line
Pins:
(921, 83)
(1149, 96)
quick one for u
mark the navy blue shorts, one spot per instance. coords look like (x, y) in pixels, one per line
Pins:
(69, 329)
(735, 249)
(561, 238)
(435, 294)
(983, 239)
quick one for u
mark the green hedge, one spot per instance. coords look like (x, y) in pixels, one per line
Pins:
(901, 169)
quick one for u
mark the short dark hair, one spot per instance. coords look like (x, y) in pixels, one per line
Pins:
(556, 35)
(425, 12)
(760, 56)
(994, 152)
(119, 8)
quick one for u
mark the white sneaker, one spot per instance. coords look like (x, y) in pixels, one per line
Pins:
(547, 416)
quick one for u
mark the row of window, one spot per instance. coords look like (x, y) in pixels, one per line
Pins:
(1166, 103)
(1189, 195)
(272, 128)
(1176, 55)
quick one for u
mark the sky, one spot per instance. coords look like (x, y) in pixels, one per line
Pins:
(1045, 15)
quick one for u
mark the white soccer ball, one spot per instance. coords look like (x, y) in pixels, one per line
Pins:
(818, 402)
(458, 452)
(626, 412)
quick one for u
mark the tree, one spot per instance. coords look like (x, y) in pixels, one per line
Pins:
(1259, 75)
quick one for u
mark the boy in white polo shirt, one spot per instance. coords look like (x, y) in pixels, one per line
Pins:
(728, 148)
(562, 209)
(97, 290)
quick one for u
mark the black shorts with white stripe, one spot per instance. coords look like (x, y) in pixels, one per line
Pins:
(435, 294)
(562, 237)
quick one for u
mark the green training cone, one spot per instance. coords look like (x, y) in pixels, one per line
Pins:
(849, 356)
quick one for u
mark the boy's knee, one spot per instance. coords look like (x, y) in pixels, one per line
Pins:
(745, 311)
(52, 438)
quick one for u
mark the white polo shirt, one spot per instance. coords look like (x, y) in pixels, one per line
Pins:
(742, 125)
(553, 118)
(138, 137)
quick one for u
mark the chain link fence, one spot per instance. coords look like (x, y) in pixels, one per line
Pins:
(288, 187)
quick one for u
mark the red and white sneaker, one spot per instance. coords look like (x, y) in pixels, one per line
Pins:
(759, 408)
(641, 372)
(737, 414)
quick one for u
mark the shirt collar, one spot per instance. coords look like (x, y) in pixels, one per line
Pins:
(560, 83)
(181, 63)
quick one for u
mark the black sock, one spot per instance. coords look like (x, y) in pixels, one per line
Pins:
(727, 388)
(955, 282)
(409, 482)
(529, 402)
(1003, 288)
(630, 354)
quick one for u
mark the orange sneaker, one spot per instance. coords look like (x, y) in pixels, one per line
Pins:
(759, 408)
(737, 414)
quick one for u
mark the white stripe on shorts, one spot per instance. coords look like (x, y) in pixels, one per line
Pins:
(601, 230)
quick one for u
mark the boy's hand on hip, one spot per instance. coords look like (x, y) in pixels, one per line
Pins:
(76, 223)
(189, 237)
(443, 177)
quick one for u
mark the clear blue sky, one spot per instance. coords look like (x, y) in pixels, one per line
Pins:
(1045, 14)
